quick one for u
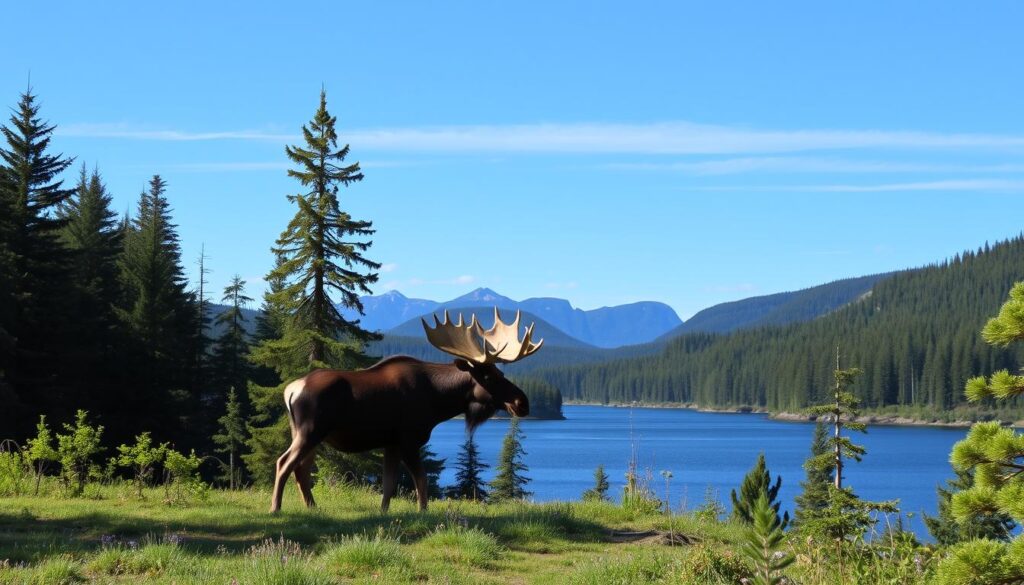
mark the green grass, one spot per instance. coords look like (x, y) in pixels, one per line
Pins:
(116, 538)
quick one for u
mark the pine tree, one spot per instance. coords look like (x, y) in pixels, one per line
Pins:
(844, 514)
(159, 313)
(92, 237)
(600, 490)
(32, 260)
(763, 540)
(319, 258)
(995, 456)
(469, 484)
(232, 346)
(814, 496)
(509, 483)
(231, 437)
(757, 483)
(842, 413)
(201, 341)
(321, 253)
(947, 530)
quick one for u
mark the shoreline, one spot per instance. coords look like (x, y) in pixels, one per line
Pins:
(882, 419)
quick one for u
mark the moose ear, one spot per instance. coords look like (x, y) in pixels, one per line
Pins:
(464, 365)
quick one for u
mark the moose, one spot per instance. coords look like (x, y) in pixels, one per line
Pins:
(396, 403)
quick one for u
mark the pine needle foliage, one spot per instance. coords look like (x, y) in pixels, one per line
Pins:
(469, 483)
(599, 492)
(757, 483)
(947, 529)
(509, 483)
(841, 414)
(764, 538)
(995, 456)
(231, 439)
(320, 266)
(32, 263)
(320, 254)
(230, 351)
(814, 495)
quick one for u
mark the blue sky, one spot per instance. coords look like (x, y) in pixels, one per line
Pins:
(601, 152)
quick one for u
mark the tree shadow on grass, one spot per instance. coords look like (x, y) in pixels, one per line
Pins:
(25, 537)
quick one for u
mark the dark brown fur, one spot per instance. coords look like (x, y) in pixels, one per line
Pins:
(393, 405)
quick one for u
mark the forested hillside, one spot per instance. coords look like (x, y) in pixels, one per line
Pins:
(777, 309)
(916, 335)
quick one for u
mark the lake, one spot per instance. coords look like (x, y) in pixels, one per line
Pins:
(704, 449)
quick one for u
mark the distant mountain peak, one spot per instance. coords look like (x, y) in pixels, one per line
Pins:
(482, 295)
(394, 294)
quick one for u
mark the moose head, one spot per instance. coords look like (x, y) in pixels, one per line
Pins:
(478, 351)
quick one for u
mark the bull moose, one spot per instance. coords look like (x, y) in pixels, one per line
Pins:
(396, 403)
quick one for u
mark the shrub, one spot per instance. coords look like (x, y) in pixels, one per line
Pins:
(183, 477)
(40, 451)
(141, 458)
(13, 473)
(76, 451)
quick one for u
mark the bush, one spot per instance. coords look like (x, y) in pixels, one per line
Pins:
(13, 472)
(183, 479)
(76, 451)
(141, 458)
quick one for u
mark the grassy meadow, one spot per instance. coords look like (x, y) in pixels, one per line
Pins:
(113, 537)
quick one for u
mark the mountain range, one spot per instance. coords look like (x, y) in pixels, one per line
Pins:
(606, 327)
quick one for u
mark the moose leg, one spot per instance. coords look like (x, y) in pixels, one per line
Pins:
(286, 464)
(413, 463)
(390, 480)
(304, 478)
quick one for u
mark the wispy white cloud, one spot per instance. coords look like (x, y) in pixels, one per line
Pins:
(388, 267)
(226, 167)
(798, 164)
(975, 185)
(950, 185)
(654, 138)
(131, 132)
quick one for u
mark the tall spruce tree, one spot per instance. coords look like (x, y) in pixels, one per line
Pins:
(32, 263)
(160, 314)
(842, 413)
(231, 349)
(320, 267)
(756, 484)
(509, 483)
(844, 514)
(469, 485)
(92, 238)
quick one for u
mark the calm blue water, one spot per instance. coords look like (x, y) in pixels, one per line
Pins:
(706, 449)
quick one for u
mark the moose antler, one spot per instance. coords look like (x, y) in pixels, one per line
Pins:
(499, 344)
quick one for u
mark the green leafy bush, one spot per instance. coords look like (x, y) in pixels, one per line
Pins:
(76, 451)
